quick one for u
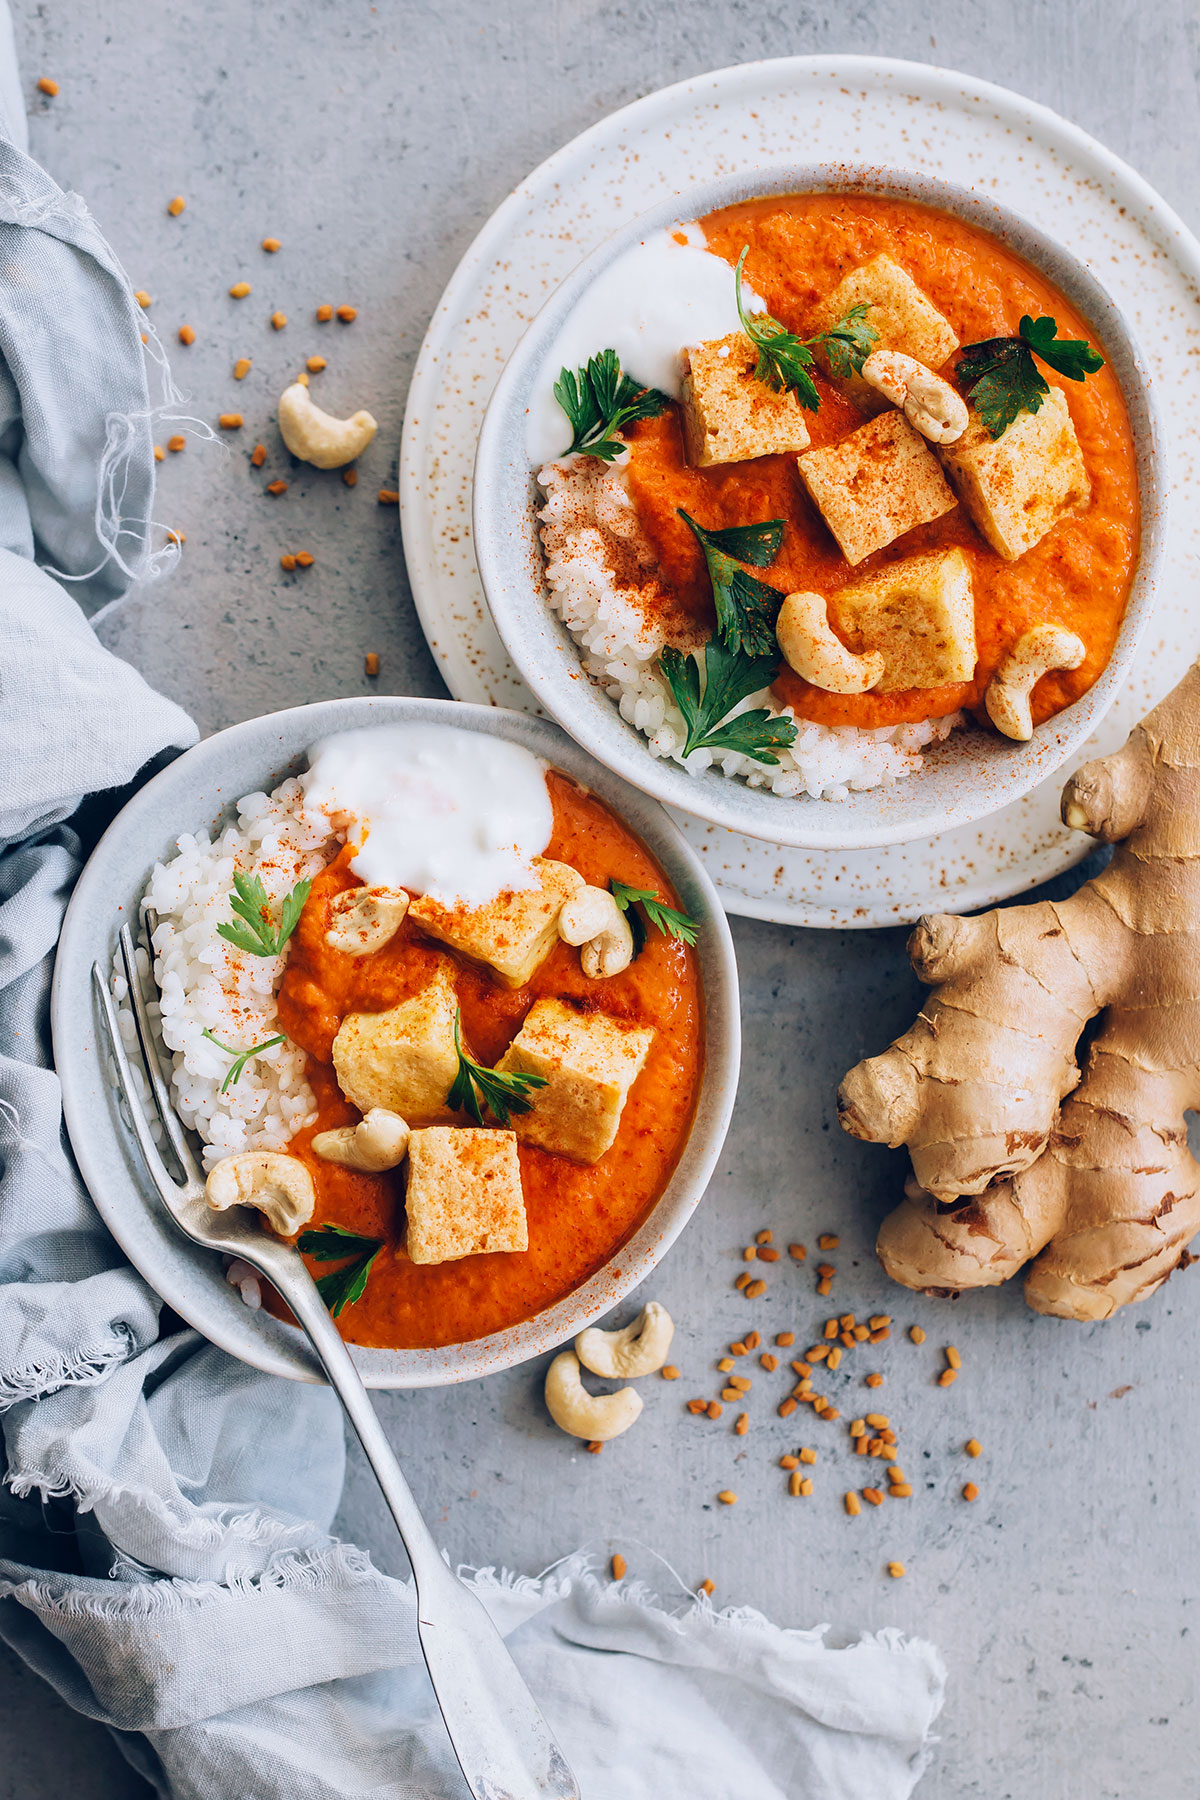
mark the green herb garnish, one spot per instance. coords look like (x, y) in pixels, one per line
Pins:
(729, 677)
(784, 360)
(501, 1091)
(331, 1243)
(667, 919)
(240, 1057)
(253, 930)
(746, 607)
(599, 401)
(1004, 380)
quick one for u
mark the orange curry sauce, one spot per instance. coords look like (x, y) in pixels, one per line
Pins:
(578, 1217)
(801, 246)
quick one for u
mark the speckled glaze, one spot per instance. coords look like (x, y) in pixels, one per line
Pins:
(863, 113)
(198, 791)
(970, 776)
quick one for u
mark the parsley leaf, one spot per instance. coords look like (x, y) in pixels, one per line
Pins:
(332, 1243)
(240, 1057)
(784, 360)
(757, 544)
(252, 929)
(502, 1091)
(729, 677)
(1004, 380)
(667, 919)
(599, 400)
(746, 607)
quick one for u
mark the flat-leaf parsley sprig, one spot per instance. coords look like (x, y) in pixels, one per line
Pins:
(1002, 379)
(253, 930)
(746, 607)
(502, 1091)
(667, 919)
(333, 1243)
(784, 360)
(730, 676)
(600, 400)
(240, 1057)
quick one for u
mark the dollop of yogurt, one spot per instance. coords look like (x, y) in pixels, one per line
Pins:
(649, 304)
(434, 809)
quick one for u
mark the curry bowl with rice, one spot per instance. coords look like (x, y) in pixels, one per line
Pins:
(831, 514)
(450, 1006)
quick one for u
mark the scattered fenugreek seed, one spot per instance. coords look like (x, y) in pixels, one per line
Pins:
(278, 320)
(828, 1241)
(239, 290)
(230, 421)
(347, 314)
(807, 1455)
(47, 86)
(315, 364)
(743, 1281)
(874, 1380)
(350, 477)
(789, 1462)
(764, 1237)
(176, 443)
(752, 1340)
(952, 1357)
(806, 1487)
(740, 1348)
(707, 1587)
(726, 1364)
(895, 1570)
(742, 1424)
(785, 1339)
(388, 497)
(786, 1407)
(287, 561)
(873, 1496)
(750, 1253)
(714, 1409)
(797, 1252)
(176, 206)
(669, 1371)
(271, 245)
(142, 297)
(277, 487)
(768, 1255)
(916, 1334)
(727, 1497)
(947, 1377)
(756, 1290)
(768, 1362)
(258, 455)
(851, 1503)
(795, 1482)
(740, 1384)
(324, 314)
(970, 1492)
(305, 559)
(697, 1406)
(824, 1286)
(159, 453)
(973, 1447)
(879, 1320)
(900, 1490)
(594, 1449)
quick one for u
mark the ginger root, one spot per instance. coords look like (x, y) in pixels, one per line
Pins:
(1018, 1157)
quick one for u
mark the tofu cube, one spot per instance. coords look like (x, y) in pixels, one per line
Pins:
(403, 1059)
(464, 1194)
(876, 484)
(1019, 485)
(920, 614)
(590, 1062)
(905, 318)
(514, 933)
(729, 416)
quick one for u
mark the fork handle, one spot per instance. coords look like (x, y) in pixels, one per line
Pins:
(504, 1747)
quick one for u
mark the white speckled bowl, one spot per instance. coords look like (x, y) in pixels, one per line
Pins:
(975, 772)
(197, 791)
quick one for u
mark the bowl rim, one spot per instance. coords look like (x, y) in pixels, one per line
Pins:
(189, 1278)
(774, 818)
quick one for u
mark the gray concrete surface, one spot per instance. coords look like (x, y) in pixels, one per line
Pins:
(373, 140)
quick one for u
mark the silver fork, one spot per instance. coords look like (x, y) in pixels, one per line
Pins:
(504, 1747)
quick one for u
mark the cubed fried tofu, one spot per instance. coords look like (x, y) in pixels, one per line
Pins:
(905, 318)
(1017, 486)
(920, 615)
(403, 1059)
(728, 415)
(590, 1062)
(514, 933)
(875, 484)
(464, 1194)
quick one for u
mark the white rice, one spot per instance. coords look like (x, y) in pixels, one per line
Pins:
(208, 983)
(600, 568)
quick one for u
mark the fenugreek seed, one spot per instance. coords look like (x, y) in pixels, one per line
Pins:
(176, 206)
(707, 1587)
(230, 421)
(47, 86)
(803, 1390)
(785, 1339)
(948, 1377)
(873, 1496)
(669, 1371)
(749, 1253)
(874, 1380)
(861, 1333)
(142, 297)
(797, 1252)
(727, 1497)
(916, 1334)
(896, 1473)
(764, 1237)
(350, 477)
(879, 1321)
(877, 1419)
(952, 1357)
(159, 453)
(818, 1353)
(789, 1462)
(726, 1364)
(895, 1570)
(807, 1455)
(833, 1360)
(973, 1447)
(258, 455)
(806, 1487)
(756, 1290)
(827, 1241)
(768, 1362)
(741, 1383)
(858, 1428)
(242, 368)
(824, 1286)
(271, 245)
(277, 487)
(176, 443)
(888, 1435)
(347, 314)
(742, 1424)
(239, 290)
(731, 1393)
(861, 1447)
(287, 561)
(714, 1409)
(831, 1328)
(324, 314)
(767, 1255)
(970, 1492)
(177, 537)
(697, 1406)
(752, 1340)
(851, 1503)
(900, 1490)
(739, 1349)
(831, 1413)
(803, 1369)
(787, 1407)
(826, 1270)
(743, 1281)
(795, 1480)
(875, 1446)
(846, 1320)
(594, 1449)
(315, 364)
(278, 320)
(881, 1336)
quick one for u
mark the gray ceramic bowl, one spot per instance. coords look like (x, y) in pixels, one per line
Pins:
(198, 791)
(974, 773)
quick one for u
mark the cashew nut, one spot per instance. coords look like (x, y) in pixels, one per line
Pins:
(318, 438)
(592, 919)
(1008, 692)
(597, 1417)
(930, 405)
(365, 919)
(640, 1349)
(377, 1142)
(279, 1186)
(815, 651)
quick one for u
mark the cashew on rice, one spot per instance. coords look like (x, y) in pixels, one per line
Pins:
(379, 1141)
(592, 919)
(315, 436)
(596, 1417)
(279, 1186)
(638, 1349)
(813, 649)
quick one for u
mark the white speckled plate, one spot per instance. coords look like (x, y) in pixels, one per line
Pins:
(863, 110)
